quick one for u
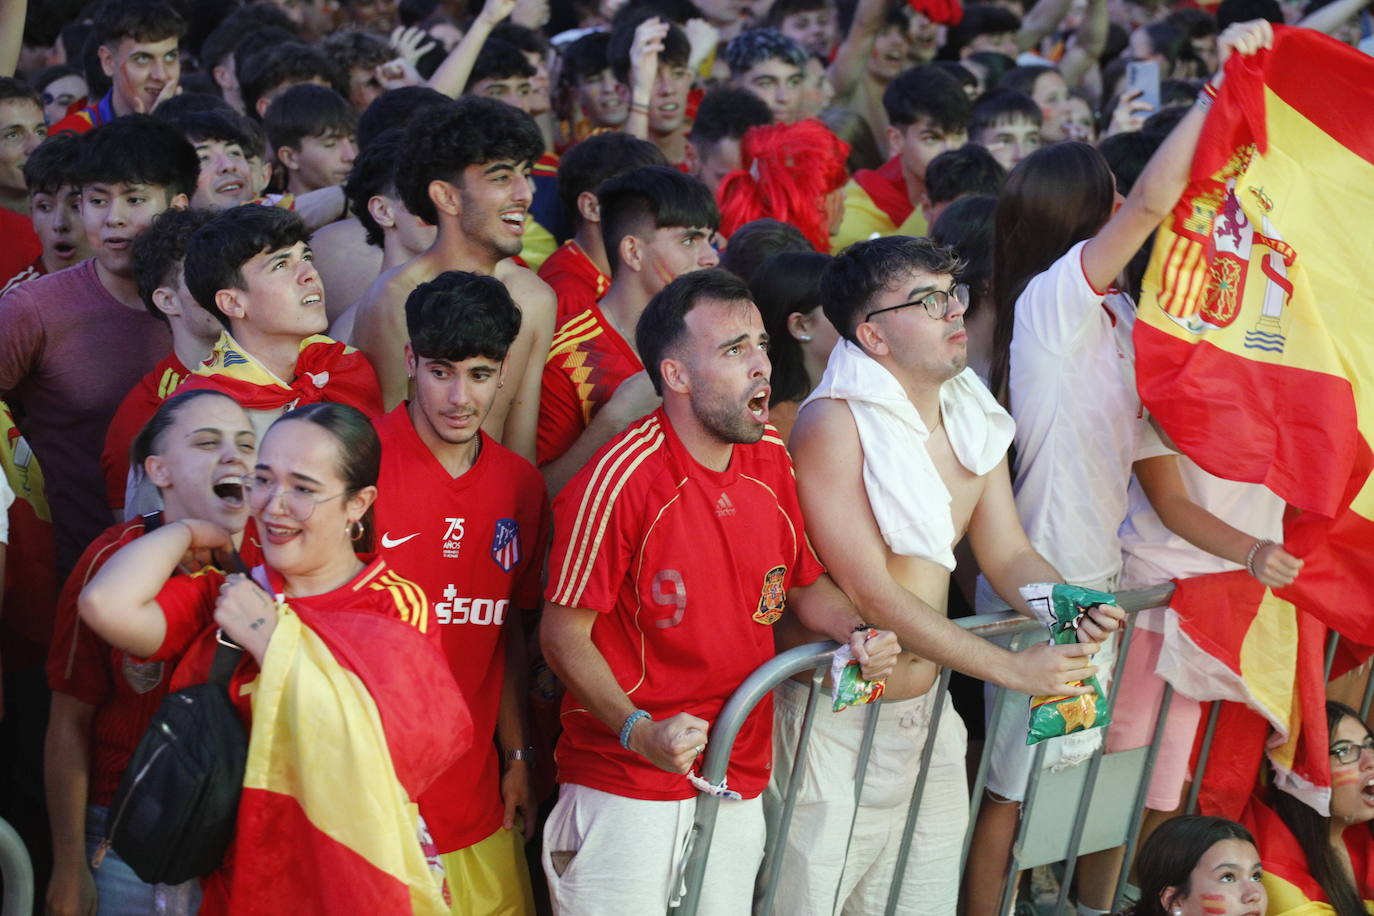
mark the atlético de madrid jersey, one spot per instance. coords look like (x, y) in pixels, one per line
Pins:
(475, 544)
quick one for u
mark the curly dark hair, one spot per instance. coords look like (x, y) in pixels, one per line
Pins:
(217, 252)
(453, 136)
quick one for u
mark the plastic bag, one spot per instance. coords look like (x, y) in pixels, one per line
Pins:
(1061, 608)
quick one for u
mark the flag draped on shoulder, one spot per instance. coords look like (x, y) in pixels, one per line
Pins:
(1255, 352)
(326, 370)
(351, 721)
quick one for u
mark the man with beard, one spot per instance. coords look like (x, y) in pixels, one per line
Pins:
(656, 224)
(464, 167)
(676, 550)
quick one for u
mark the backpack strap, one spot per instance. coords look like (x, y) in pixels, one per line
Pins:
(227, 655)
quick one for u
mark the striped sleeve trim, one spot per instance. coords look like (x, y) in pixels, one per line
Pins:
(613, 470)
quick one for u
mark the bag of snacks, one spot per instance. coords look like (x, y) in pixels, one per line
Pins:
(1061, 608)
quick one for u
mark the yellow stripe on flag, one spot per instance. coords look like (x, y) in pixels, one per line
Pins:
(342, 778)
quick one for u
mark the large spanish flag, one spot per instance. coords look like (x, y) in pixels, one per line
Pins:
(1255, 352)
(354, 715)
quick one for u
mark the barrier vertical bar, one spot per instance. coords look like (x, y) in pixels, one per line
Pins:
(778, 840)
(1142, 793)
(1027, 800)
(1001, 707)
(1085, 798)
(913, 808)
(860, 775)
(1333, 640)
(1203, 753)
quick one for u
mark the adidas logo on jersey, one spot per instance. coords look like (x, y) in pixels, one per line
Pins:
(724, 508)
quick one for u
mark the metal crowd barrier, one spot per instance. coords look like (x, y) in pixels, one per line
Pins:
(17, 872)
(1099, 820)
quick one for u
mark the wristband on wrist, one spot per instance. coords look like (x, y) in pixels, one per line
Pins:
(630, 721)
(1255, 548)
(863, 628)
(521, 753)
(641, 107)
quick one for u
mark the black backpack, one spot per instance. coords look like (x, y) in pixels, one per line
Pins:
(173, 815)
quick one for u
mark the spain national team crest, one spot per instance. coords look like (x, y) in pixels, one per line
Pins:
(505, 544)
(774, 597)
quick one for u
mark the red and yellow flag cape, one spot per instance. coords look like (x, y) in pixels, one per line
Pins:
(354, 715)
(1255, 352)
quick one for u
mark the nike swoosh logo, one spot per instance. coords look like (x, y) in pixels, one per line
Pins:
(388, 542)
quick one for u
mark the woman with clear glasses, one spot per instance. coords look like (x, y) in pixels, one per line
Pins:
(314, 620)
(1317, 864)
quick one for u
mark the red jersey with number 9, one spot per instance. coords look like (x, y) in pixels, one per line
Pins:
(689, 569)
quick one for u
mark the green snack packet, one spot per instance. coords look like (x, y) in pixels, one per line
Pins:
(1061, 608)
(847, 681)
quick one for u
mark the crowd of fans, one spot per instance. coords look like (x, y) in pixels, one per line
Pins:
(595, 351)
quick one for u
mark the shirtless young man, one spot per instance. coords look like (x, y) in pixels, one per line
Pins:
(464, 167)
(902, 429)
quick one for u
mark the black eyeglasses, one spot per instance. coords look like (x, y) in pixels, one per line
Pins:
(1348, 752)
(936, 302)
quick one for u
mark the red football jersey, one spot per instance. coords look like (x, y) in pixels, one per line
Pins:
(188, 604)
(475, 544)
(125, 691)
(577, 282)
(588, 359)
(689, 568)
(136, 409)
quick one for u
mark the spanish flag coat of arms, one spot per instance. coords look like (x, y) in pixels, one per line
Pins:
(1255, 353)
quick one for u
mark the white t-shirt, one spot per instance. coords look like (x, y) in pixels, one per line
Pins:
(6, 500)
(1079, 421)
(1153, 554)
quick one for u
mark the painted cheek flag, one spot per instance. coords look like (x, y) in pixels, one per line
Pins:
(1255, 352)
(354, 714)
(326, 370)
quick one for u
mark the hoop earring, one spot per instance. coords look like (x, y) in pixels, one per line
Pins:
(355, 530)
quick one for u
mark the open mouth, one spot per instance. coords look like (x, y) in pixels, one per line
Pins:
(63, 250)
(758, 406)
(515, 219)
(1367, 791)
(231, 187)
(230, 491)
(312, 299)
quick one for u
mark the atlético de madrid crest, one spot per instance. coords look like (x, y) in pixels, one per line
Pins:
(505, 544)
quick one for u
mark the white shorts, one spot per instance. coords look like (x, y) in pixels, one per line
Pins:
(817, 877)
(1009, 756)
(607, 855)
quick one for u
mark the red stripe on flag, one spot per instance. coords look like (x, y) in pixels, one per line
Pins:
(309, 872)
(1271, 433)
(1325, 101)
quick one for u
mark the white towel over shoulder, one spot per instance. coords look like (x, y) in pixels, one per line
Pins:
(908, 498)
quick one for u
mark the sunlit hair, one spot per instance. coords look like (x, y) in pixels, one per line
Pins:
(786, 170)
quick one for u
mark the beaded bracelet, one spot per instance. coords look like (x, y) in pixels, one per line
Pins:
(1206, 96)
(629, 725)
(1255, 548)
